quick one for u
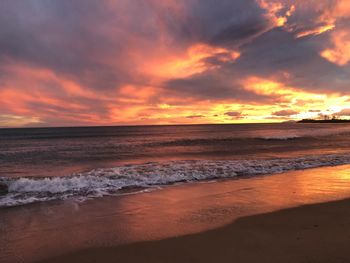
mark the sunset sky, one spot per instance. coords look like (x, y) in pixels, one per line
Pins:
(126, 62)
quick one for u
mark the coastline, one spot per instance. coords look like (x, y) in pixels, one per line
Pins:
(52, 230)
(309, 233)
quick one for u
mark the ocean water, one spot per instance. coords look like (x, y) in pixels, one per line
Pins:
(43, 164)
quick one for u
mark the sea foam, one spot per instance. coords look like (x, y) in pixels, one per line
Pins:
(110, 181)
(305, 133)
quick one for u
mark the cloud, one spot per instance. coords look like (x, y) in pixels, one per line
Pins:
(339, 52)
(344, 112)
(194, 116)
(90, 62)
(234, 114)
(284, 113)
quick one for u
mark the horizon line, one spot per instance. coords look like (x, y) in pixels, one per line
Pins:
(144, 125)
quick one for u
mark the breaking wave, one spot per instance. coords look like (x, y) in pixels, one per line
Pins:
(112, 181)
(306, 133)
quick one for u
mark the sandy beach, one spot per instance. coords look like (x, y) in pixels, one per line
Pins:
(310, 233)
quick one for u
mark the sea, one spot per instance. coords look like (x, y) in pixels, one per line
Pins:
(83, 163)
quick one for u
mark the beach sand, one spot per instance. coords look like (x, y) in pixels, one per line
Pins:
(310, 233)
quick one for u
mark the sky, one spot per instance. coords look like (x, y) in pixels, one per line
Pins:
(137, 62)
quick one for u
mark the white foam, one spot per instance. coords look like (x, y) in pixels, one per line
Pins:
(281, 137)
(101, 182)
(305, 133)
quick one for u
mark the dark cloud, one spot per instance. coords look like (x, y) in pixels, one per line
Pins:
(226, 22)
(237, 34)
(269, 56)
(64, 36)
(278, 51)
(284, 113)
(79, 38)
(194, 116)
(216, 85)
(234, 114)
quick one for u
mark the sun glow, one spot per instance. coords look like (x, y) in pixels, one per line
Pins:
(299, 101)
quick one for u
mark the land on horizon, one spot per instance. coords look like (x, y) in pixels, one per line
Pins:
(324, 121)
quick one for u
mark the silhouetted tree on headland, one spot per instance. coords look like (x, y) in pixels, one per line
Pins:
(323, 118)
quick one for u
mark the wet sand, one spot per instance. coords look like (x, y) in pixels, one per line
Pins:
(310, 233)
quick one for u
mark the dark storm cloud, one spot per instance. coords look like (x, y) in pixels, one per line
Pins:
(227, 22)
(235, 34)
(64, 36)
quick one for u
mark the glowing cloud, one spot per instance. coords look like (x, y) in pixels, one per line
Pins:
(192, 62)
(316, 31)
(298, 101)
(276, 11)
(340, 52)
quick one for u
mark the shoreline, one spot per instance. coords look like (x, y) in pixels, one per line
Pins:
(309, 233)
(104, 182)
(44, 231)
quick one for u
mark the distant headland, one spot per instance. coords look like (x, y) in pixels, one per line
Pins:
(325, 120)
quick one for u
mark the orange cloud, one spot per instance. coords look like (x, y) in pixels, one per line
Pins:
(191, 62)
(316, 31)
(133, 94)
(340, 52)
(273, 11)
(329, 16)
(294, 98)
(342, 9)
